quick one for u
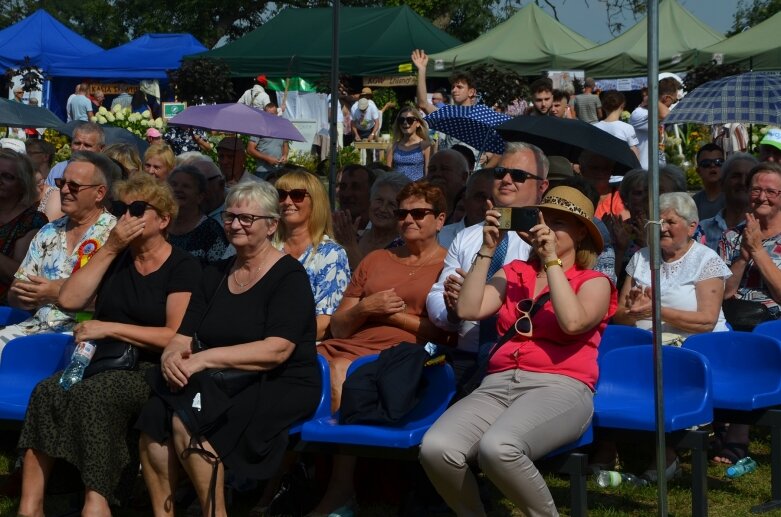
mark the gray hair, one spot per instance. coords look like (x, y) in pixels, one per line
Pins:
(539, 156)
(392, 179)
(682, 203)
(632, 180)
(206, 166)
(732, 160)
(261, 193)
(674, 174)
(106, 171)
(87, 128)
(188, 157)
(194, 172)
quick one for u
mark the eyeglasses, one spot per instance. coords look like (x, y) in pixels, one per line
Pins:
(769, 192)
(407, 120)
(716, 162)
(73, 187)
(246, 220)
(136, 208)
(517, 175)
(297, 195)
(418, 214)
(523, 324)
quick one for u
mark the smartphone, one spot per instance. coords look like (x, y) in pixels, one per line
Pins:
(518, 219)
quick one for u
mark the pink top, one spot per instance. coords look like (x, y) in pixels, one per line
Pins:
(549, 350)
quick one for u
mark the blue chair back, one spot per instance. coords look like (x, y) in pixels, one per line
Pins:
(625, 391)
(12, 315)
(324, 406)
(746, 368)
(769, 328)
(617, 336)
(25, 362)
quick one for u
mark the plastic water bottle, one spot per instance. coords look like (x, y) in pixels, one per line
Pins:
(79, 361)
(744, 466)
(611, 478)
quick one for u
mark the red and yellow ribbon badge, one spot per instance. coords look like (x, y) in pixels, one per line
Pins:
(85, 252)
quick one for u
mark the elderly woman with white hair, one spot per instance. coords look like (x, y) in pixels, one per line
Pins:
(247, 342)
(692, 276)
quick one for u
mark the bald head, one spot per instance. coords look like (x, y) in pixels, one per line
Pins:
(448, 170)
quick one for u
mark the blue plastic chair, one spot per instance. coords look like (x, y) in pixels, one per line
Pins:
(769, 328)
(324, 406)
(25, 362)
(747, 386)
(618, 336)
(12, 315)
(409, 433)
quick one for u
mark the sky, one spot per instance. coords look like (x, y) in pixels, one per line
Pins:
(588, 17)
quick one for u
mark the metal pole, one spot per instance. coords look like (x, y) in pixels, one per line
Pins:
(333, 151)
(653, 241)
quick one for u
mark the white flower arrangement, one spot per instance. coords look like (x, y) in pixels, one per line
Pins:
(136, 123)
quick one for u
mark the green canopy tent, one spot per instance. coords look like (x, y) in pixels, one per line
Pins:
(680, 32)
(524, 43)
(758, 47)
(297, 42)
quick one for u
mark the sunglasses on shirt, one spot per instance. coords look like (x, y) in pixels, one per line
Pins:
(517, 175)
(297, 195)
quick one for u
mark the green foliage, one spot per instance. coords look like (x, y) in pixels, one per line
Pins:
(306, 160)
(345, 156)
(463, 19)
(499, 86)
(695, 76)
(751, 13)
(382, 96)
(200, 81)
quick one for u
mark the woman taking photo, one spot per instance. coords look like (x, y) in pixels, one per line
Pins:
(384, 305)
(255, 320)
(191, 230)
(537, 394)
(304, 233)
(143, 286)
(19, 215)
(411, 146)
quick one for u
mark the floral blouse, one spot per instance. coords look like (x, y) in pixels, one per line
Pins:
(50, 258)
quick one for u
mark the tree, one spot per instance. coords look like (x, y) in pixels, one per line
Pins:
(200, 81)
(749, 14)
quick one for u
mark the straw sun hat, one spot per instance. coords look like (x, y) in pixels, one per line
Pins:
(572, 201)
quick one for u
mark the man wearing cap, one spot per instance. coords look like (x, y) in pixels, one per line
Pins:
(256, 96)
(520, 180)
(269, 153)
(231, 159)
(365, 118)
(86, 137)
(770, 146)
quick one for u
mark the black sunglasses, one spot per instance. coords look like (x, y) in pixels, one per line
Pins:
(246, 220)
(136, 208)
(418, 214)
(518, 175)
(407, 120)
(715, 162)
(73, 187)
(297, 195)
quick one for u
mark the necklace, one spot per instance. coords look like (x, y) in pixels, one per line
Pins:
(422, 263)
(250, 274)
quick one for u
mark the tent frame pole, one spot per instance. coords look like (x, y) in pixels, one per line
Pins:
(333, 153)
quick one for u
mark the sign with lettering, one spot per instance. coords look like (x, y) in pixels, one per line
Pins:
(388, 81)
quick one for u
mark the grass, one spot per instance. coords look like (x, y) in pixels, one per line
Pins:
(726, 498)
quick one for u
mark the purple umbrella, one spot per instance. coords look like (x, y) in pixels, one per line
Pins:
(237, 118)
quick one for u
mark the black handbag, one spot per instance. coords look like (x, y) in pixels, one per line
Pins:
(111, 354)
(745, 314)
(476, 378)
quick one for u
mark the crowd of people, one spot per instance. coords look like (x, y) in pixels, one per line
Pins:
(229, 282)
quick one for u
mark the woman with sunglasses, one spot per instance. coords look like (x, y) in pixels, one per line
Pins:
(411, 146)
(141, 286)
(256, 320)
(191, 230)
(384, 305)
(537, 394)
(20, 219)
(304, 233)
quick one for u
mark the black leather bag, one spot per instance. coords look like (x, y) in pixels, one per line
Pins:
(230, 380)
(744, 314)
(112, 355)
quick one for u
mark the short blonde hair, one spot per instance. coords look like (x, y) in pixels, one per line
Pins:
(164, 152)
(144, 187)
(127, 156)
(320, 222)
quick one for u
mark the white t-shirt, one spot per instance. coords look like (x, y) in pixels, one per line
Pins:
(639, 121)
(365, 119)
(620, 130)
(678, 280)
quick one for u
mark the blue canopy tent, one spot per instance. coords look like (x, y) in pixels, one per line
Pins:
(147, 57)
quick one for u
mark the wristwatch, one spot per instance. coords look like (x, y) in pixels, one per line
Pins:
(551, 263)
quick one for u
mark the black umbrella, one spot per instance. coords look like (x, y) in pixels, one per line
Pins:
(113, 135)
(18, 114)
(568, 137)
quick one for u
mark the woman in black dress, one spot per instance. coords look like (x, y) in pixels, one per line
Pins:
(143, 288)
(256, 317)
